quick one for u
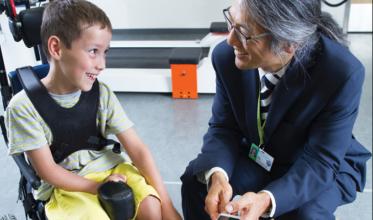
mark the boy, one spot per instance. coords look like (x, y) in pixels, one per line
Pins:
(76, 36)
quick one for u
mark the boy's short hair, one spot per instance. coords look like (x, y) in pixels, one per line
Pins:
(67, 18)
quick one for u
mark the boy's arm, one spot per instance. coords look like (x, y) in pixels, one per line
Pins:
(142, 159)
(44, 165)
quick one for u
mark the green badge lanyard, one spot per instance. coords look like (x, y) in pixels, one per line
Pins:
(259, 123)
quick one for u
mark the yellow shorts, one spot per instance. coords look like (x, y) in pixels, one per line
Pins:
(80, 205)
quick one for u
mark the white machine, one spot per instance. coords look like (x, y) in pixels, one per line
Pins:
(159, 79)
(162, 15)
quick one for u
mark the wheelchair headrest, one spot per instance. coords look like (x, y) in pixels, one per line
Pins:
(30, 20)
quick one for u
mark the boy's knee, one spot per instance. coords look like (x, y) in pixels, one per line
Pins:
(150, 209)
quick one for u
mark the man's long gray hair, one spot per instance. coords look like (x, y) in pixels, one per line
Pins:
(294, 22)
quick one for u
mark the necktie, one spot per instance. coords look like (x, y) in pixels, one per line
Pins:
(268, 83)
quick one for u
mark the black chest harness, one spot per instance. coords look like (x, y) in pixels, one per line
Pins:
(74, 128)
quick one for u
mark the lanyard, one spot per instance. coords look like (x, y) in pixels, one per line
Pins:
(259, 123)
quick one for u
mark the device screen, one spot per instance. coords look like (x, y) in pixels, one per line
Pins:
(224, 216)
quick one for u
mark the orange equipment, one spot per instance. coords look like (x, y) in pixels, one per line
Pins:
(183, 62)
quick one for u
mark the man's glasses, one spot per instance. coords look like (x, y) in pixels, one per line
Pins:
(241, 36)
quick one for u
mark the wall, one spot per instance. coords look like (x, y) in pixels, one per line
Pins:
(197, 13)
(163, 13)
(362, 1)
(166, 14)
(360, 15)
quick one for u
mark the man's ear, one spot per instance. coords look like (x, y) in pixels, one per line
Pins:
(289, 48)
(54, 47)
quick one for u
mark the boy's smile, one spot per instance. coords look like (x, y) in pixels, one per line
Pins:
(92, 76)
(77, 67)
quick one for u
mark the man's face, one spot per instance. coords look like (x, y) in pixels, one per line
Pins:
(83, 62)
(250, 53)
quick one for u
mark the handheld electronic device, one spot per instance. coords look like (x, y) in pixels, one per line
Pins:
(226, 216)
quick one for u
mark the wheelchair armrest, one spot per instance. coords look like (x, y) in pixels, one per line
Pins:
(117, 199)
(27, 171)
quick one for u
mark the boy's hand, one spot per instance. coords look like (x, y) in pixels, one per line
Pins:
(169, 212)
(113, 177)
(116, 178)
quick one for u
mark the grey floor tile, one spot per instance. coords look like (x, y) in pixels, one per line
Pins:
(360, 209)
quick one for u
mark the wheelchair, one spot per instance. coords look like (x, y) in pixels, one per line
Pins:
(23, 26)
(26, 26)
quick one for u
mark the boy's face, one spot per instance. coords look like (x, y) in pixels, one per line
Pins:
(83, 62)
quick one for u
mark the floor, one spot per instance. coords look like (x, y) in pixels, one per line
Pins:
(173, 130)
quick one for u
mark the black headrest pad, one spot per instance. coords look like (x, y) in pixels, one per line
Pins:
(31, 22)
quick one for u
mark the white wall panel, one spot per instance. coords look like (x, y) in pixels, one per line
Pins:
(163, 13)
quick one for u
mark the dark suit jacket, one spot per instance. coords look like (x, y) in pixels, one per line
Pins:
(308, 129)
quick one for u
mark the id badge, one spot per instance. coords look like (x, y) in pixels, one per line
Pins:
(261, 157)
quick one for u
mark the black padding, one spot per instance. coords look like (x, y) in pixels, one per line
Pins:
(40, 70)
(27, 171)
(218, 27)
(31, 22)
(117, 199)
(73, 132)
(156, 34)
(156, 58)
(185, 56)
(15, 30)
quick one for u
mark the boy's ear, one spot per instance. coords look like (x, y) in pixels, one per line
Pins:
(54, 47)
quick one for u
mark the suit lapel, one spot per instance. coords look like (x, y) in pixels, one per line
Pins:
(251, 101)
(286, 92)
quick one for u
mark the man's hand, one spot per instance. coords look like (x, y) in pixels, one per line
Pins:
(218, 196)
(251, 205)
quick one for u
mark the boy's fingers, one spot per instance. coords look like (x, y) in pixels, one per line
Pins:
(117, 178)
(123, 177)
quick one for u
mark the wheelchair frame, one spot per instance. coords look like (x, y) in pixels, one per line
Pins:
(34, 209)
(23, 28)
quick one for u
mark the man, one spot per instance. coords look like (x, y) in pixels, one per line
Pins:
(288, 89)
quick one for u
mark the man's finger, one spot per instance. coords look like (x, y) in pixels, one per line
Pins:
(212, 201)
(212, 209)
(224, 197)
(252, 214)
(239, 204)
